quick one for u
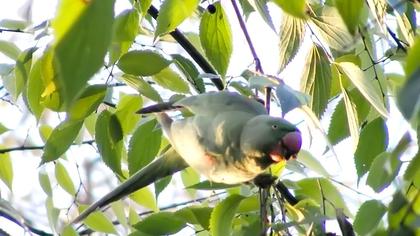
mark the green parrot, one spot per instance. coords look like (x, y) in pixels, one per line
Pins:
(230, 139)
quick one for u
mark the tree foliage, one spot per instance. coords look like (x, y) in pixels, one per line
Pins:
(93, 69)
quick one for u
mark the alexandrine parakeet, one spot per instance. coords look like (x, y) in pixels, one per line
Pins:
(230, 139)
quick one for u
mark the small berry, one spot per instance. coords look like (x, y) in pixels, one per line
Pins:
(211, 8)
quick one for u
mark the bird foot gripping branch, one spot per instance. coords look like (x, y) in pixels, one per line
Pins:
(230, 139)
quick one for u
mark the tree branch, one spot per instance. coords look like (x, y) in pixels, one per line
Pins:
(191, 50)
(26, 148)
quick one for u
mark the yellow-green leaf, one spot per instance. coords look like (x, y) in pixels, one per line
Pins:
(172, 13)
(87, 103)
(350, 11)
(292, 32)
(126, 111)
(143, 63)
(171, 80)
(6, 170)
(9, 49)
(142, 86)
(97, 221)
(145, 198)
(295, 8)
(161, 223)
(368, 216)
(83, 35)
(223, 214)
(216, 38)
(45, 183)
(63, 178)
(34, 90)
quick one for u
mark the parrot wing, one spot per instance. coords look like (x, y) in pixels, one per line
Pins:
(169, 163)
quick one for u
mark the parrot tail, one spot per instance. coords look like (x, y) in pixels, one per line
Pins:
(169, 163)
(160, 107)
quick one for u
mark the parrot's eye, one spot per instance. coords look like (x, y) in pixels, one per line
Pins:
(274, 126)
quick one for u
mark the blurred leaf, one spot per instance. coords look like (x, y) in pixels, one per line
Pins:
(169, 79)
(223, 214)
(6, 69)
(34, 89)
(383, 170)
(364, 85)
(290, 98)
(412, 168)
(345, 226)
(190, 177)
(161, 184)
(172, 13)
(83, 35)
(9, 49)
(51, 96)
(142, 86)
(190, 72)
(295, 8)
(241, 87)
(261, 82)
(249, 204)
(261, 7)
(195, 215)
(316, 79)
(412, 62)
(52, 213)
(22, 69)
(292, 32)
(247, 8)
(373, 141)
(13, 24)
(352, 121)
(63, 179)
(109, 140)
(87, 103)
(144, 146)
(61, 138)
(97, 221)
(45, 183)
(119, 210)
(350, 11)
(145, 198)
(319, 188)
(3, 129)
(332, 29)
(6, 169)
(45, 131)
(126, 111)
(368, 216)
(409, 97)
(69, 231)
(216, 38)
(207, 185)
(143, 63)
(308, 160)
(161, 223)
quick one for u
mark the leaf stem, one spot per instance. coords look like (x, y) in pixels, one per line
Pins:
(26, 148)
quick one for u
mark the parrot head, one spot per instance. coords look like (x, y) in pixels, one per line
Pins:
(270, 140)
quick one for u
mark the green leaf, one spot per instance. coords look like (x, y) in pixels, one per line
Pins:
(350, 11)
(331, 27)
(9, 49)
(161, 223)
(189, 177)
(316, 79)
(3, 129)
(83, 35)
(207, 185)
(172, 13)
(223, 214)
(261, 82)
(412, 62)
(63, 179)
(142, 63)
(290, 98)
(51, 96)
(261, 6)
(409, 97)
(69, 231)
(45, 183)
(216, 38)
(87, 103)
(364, 85)
(34, 90)
(247, 8)
(6, 170)
(13, 24)
(190, 72)
(196, 215)
(373, 141)
(292, 32)
(60, 140)
(161, 184)
(144, 146)
(352, 121)
(368, 216)
(319, 188)
(383, 170)
(52, 213)
(308, 160)
(295, 8)
(97, 221)
(142, 86)
(109, 139)
(145, 198)
(126, 111)
(169, 79)
(412, 168)
(22, 69)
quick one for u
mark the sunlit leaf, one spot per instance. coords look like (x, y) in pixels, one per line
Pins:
(142, 86)
(145, 198)
(9, 49)
(161, 223)
(60, 140)
(196, 215)
(51, 97)
(97, 221)
(247, 8)
(383, 170)
(216, 38)
(352, 119)
(223, 214)
(22, 70)
(126, 111)
(144, 146)
(3, 129)
(13, 24)
(190, 72)
(262, 9)
(63, 178)
(368, 216)
(307, 159)
(169, 79)
(316, 79)
(172, 13)
(189, 177)
(87, 103)
(69, 231)
(6, 169)
(373, 141)
(143, 63)
(52, 213)
(109, 139)
(45, 183)
(350, 11)
(34, 90)
(292, 32)
(83, 34)
(295, 8)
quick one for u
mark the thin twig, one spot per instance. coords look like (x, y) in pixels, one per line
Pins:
(26, 148)
(13, 31)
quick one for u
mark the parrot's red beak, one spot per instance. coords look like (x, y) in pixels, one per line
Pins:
(288, 147)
